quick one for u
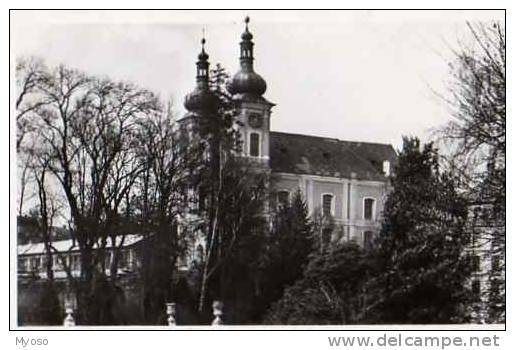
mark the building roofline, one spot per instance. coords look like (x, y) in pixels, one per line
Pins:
(334, 139)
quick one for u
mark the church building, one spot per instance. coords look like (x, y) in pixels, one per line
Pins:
(345, 180)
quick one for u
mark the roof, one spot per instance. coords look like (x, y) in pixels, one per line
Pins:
(313, 155)
(67, 245)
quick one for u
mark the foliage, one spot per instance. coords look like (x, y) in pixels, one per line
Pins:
(422, 245)
(330, 290)
(478, 138)
(285, 256)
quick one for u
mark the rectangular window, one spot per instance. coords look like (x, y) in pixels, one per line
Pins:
(254, 144)
(283, 198)
(75, 265)
(35, 263)
(476, 263)
(368, 210)
(386, 168)
(55, 261)
(22, 264)
(327, 204)
(43, 262)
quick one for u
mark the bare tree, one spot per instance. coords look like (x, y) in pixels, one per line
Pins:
(24, 177)
(29, 74)
(160, 202)
(86, 128)
(478, 138)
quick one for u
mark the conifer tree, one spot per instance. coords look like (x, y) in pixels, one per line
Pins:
(287, 250)
(422, 244)
(331, 290)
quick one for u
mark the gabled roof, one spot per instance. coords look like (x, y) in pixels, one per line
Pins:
(312, 155)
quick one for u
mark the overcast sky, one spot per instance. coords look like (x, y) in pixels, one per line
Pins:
(353, 75)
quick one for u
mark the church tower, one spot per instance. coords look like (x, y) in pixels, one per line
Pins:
(247, 89)
(201, 102)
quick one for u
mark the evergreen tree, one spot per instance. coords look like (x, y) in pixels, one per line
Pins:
(331, 290)
(422, 244)
(287, 251)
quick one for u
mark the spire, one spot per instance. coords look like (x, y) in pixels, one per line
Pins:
(201, 99)
(203, 63)
(246, 48)
(246, 81)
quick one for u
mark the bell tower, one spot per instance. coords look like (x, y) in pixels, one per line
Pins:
(247, 89)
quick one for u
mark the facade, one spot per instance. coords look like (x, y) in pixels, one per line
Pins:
(344, 180)
(488, 268)
(32, 258)
(347, 181)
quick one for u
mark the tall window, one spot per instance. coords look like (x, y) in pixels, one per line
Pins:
(200, 253)
(386, 168)
(476, 263)
(283, 198)
(254, 144)
(368, 209)
(57, 262)
(34, 263)
(22, 264)
(327, 204)
(75, 264)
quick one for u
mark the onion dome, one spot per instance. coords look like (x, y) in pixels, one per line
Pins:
(246, 34)
(246, 81)
(201, 99)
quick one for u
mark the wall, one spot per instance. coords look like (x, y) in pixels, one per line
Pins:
(347, 206)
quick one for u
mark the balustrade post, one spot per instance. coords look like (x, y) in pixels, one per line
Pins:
(217, 312)
(170, 311)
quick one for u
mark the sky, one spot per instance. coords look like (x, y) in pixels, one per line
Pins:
(354, 75)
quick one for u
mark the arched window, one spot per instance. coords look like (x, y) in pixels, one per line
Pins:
(369, 208)
(254, 144)
(327, 205)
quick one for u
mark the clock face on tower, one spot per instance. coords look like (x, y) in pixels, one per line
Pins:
(255, 120)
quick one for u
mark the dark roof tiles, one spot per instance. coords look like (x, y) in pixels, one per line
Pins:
(311, 155)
